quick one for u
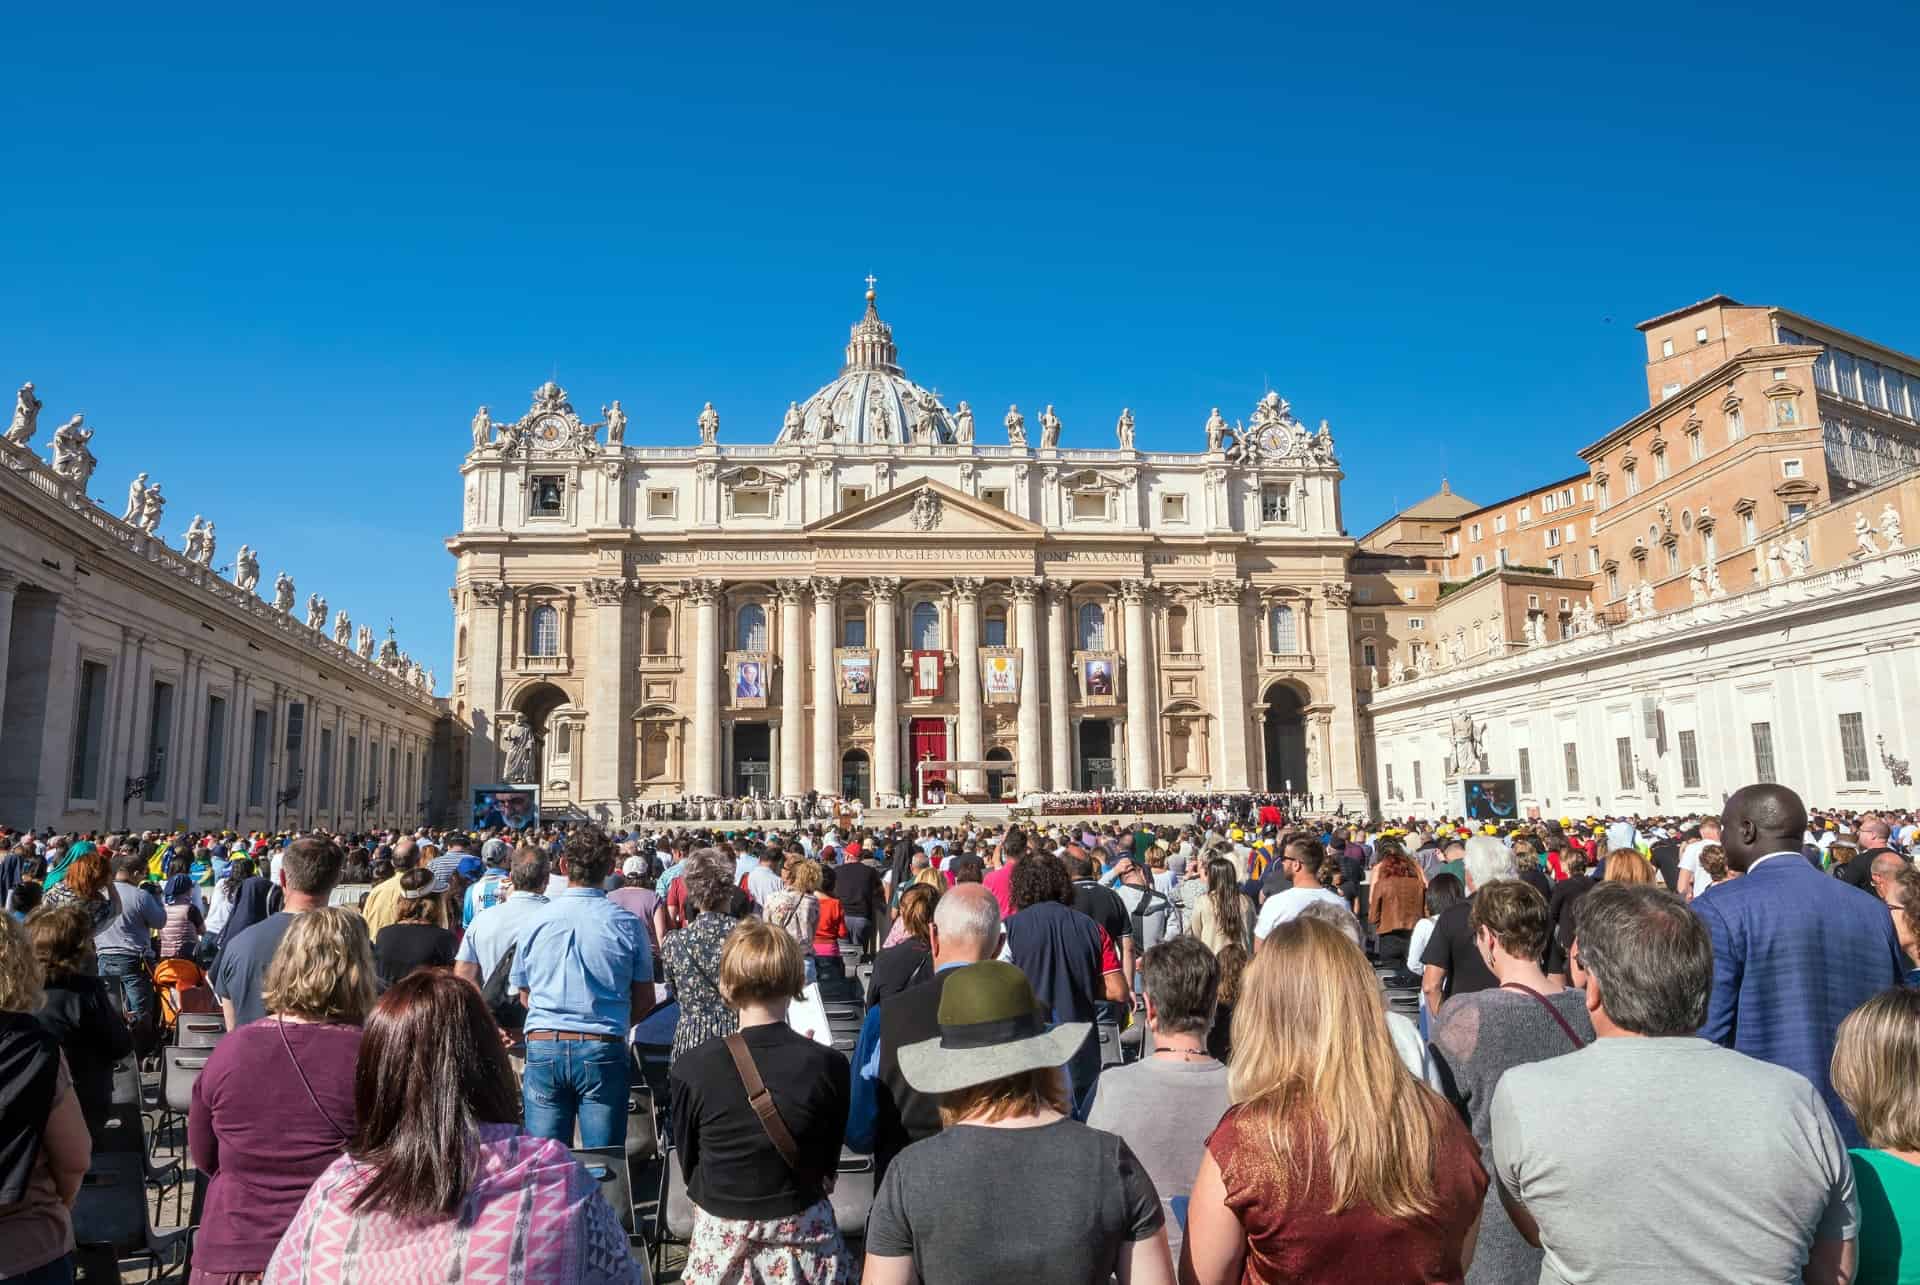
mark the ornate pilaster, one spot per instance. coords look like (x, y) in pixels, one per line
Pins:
(1142, 741)
(1026, 609)
(793, 694)
(884, 593)
(1343, 751)
(1232, 767)
(703, 770)
(966, 596)
(826, 713)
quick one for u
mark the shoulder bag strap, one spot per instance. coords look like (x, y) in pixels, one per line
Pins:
(762, 1103)
(1552, 1012)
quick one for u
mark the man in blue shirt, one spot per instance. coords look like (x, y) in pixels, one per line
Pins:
(494, 883)
(497, 929)
(583, 968)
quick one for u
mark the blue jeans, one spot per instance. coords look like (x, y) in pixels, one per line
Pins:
(1083, 1077)
(58, 1272)
(127, 972)
(584, 1080)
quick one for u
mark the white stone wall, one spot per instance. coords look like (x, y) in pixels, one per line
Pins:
(1795, 655)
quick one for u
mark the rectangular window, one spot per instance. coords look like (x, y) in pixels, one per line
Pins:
(1389, 770)
(1525, 763)
(1613, 584)
(323, 786)
(296, 732)
(1173, 508)
(1453, 542)
(1571, 753)
(549, 491)
(1696, 448)
(1368, 656)
(214, 765)
(1500, 524)
(1853, 747)
(1553, 537)
(1700, 335)
(1791, 468)
(1600, 493)
(994, 495)
(1661, 469)
(1555, 565)
(1273, 504)
(753, 503)
(1763, 770)
(257, 768)
(1749, 532)
(1417, 790)
(1673, 558)
(1633, 481)
(1091, 506)
(1623, 753)
(159, 741)
(408, 778)
(853, 631)
(1416, 623)
(1476, 531)
(1479, 563)
(849, 496)
(1736, 427)
(90, 721)
(1795, 512)
(350, 778)
(1666, 347)
(1668, 390)
(1500, 556)
(661, 504)
(1689, 760)
(1593, 558)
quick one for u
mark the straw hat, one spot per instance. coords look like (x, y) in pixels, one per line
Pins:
(991, 1026)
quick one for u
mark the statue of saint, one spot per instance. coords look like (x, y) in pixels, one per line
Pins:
(1714, 588)
(963, 425)
(26, 415)
(71, 458)
(616, 423)
(482, 429)
(206, 544)
(1863, 536)
(1697, 583)
(1049, 428)
(516, 744)
(709, 425)
(152, 504)
(246, 569)
(316, 612)
(1016, 427)
(1890, 528)
(1321, 447)
(1124, 428)
(1216, 430)
(363, 643)
(791, 424)
(342, 628)
(191, 541)
(136, 500)
(1796, 558)
(282, 593)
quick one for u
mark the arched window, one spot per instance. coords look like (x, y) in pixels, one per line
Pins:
(1283, 633)
(993, 631)
(659, 631)
(545, 631)
(1093, 627)
(925, 627)
(1176, 628)
(750, 628)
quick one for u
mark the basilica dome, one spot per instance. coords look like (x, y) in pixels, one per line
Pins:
(872, 401)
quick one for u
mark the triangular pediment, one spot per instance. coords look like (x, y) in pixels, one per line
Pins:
(928, 509)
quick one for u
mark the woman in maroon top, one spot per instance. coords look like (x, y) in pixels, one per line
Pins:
(1334, 1164)
(274, 1105)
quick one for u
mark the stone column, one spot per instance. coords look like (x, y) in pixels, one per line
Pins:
(883, 592)
(703, 771)
(1026, 596)
(966, 596)
(485, 664)
(1232, 764)
(793, 690)
(1343, 752)
(56, 739)
(1141, 740)
(9, 585)
(607, 778)
(1060, 730)
(826, 712)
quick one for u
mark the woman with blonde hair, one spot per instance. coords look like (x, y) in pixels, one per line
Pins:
(1335, 1163)
(274, 1105)
(44, 1144)
(1624, 865)
(1876, 1072)
(795, 909)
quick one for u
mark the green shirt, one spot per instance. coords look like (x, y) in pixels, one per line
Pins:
(1889, 1190)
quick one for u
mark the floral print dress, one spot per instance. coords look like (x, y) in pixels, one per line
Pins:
(692, 957)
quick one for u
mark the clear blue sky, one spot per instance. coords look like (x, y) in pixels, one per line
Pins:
(279, 260)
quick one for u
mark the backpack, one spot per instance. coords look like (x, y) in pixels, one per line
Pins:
(1151, 903)
(501, 1000)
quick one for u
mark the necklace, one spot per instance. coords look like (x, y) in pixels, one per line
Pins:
(1188, 1053)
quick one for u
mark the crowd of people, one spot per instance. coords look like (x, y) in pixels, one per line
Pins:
(1255, 1046)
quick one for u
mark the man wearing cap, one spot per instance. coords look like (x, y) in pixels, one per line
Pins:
(493, 884)
(496, 930)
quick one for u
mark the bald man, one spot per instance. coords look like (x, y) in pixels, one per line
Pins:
(1794, 951)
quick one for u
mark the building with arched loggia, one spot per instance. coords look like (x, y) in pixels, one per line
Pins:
(874, 582)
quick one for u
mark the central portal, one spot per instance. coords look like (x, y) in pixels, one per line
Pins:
(929, 739)
(752, 759)
(1096, 754)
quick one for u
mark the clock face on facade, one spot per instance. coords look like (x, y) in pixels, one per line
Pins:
(550, 432)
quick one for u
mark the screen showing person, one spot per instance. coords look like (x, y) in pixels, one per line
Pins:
(1099, 678)
(515, 809)
(750, 681)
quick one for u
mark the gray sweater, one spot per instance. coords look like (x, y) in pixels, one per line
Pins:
(1476, 1039)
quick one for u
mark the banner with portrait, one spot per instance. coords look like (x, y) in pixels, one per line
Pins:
(853, 675)
(1000, 674)
(1099, 677)
(749, 672)
(929, 673)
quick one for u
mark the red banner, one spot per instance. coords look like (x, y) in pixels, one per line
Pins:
(929, 672)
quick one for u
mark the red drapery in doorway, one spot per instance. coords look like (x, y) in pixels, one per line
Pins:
(929, 737)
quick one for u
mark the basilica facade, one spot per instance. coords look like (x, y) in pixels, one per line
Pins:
(873, 588)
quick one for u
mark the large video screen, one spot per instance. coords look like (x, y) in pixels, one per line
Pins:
(1491, 798)
(517, 807)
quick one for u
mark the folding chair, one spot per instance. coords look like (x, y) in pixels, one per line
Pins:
(643, 1127)
(111, 1212)
(199, 1030)
(1111, 1053)
(852, 1198)
(608, 1167)
(673, 1215)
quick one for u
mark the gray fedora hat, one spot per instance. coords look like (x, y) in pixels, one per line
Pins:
(991, 1026)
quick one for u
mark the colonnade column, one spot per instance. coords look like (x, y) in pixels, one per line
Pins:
(1232, 763)
(703, 773)
(966, 594)
(609, 738)
(883, 592)
(826, 713)
(1059, 688)
(1026, 595)
(1141, 740)
(9, 584)
(56, 738)
(793, 689)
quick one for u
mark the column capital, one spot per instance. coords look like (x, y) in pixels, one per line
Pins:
(701, 591)
(1337, 593)
(8, 582)
(1225, 593)
(1059, 591)
(883, 589)
(790, 591)
(1026, 588)
(825, 588)
(967, 588)
(607, 591)
(1133, 592)
(490, 593)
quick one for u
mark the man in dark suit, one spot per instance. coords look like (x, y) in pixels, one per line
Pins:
(1794, 951)
(886, 1112)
